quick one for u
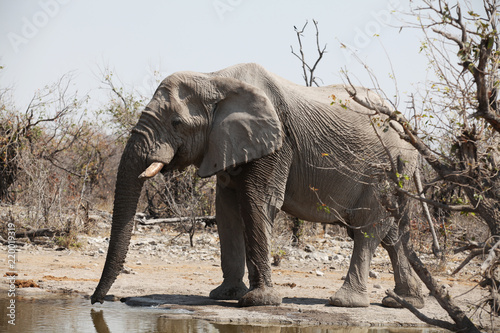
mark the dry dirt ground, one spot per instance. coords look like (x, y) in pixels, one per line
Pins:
(174, 275)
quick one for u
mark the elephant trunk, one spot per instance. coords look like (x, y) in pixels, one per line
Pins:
(127, 193)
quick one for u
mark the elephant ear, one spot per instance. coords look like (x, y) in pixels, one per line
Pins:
(245, 127)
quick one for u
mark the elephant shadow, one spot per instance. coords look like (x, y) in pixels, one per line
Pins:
(305, 301)
(177, 300)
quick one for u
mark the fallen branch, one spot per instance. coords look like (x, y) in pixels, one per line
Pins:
(492, 257)
(443, 298)
(199, 219)
(477, 249)
(420, 315)
(469, 245)
(37, 233)
(472, 255)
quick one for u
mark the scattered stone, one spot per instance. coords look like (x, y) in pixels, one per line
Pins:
(446, 287)
(338, 257)
(319, 273)
(377, 286)
(101, 250)
(309, 248)
(374, 275)
(138, 263)
(127, 270)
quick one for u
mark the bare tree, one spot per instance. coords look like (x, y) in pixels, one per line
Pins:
(43, 121)
(308, 70)
(459, 129)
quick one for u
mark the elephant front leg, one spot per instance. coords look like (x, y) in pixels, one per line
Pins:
(353, 292)
(257, 239)
(232, 243)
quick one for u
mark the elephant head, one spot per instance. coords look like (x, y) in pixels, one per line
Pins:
(209, 120)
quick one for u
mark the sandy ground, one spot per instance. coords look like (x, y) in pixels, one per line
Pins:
(177, 276)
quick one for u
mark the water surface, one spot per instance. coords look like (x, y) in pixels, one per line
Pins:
(75, 314)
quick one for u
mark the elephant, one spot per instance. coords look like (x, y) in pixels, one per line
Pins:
(273, 145)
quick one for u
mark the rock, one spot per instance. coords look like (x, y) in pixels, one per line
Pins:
(101, 250)
(317, 256)
(377, 286)
(374, 275)
(138, 263)
(446, 287)
(309, 248)
(346, 245)
(319, 273)
(127, 270)
(102, 225)
(323, 256)
(338, 257)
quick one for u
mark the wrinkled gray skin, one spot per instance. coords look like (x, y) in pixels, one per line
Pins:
(266, 138)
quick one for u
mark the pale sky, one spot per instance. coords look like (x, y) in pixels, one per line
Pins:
(41, 40)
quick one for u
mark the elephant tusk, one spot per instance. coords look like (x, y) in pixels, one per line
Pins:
(152, 170)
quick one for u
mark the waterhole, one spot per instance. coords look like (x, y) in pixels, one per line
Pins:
(75, 314)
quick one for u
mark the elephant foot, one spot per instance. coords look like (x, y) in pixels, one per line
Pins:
(229, 291)
(350, 299)
(261, 296)
(416, 301)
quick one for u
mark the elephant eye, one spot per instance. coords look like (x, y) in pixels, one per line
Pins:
(176, 122)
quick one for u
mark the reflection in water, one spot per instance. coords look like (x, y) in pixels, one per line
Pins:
(64, 314)
(99, 322)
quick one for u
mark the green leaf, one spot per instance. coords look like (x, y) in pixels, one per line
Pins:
(490, 42)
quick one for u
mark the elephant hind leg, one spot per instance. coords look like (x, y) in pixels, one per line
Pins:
(353, 292)
(407, 284)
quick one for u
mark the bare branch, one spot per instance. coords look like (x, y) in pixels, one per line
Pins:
(307, 70)
(471, 256)
(420, 315)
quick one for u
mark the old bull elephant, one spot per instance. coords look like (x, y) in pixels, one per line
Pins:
(273, 145)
